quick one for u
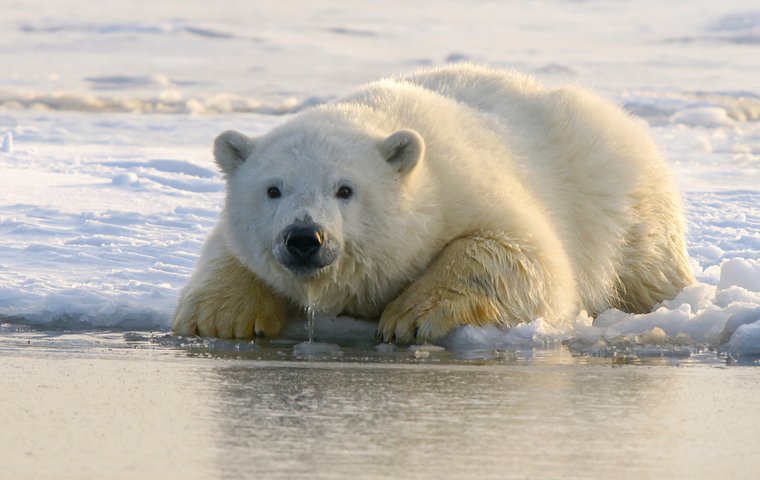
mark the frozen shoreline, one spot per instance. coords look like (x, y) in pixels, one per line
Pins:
(102, 214)
(106, 233)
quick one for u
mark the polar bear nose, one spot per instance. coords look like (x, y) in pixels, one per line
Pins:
(304, 241)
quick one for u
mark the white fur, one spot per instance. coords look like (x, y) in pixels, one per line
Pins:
(565, 176)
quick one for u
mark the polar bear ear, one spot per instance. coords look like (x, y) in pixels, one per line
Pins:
(403, 149)
(232, 149)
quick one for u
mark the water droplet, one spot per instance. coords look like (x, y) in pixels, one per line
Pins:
(312, 295)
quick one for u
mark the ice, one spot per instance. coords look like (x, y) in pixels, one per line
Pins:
(741, 28)
(537, 333)
(111, 81)
(426, 347)
(385, 347)
(166, 101)
(704, 117)
(7, 146)
(745, 341)
(341, 329)
(741, 272)
(315, 348)
(108, 188)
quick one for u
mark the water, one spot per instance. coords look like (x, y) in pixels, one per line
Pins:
(134, 406)
(310, 319)
(311, 348)
(312, 300)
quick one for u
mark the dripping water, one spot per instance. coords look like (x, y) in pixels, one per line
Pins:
(312, 348)
(311, 309)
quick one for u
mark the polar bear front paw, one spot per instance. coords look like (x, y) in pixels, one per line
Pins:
(481, 279)
(200, 313)
(425, 316)
(229, 301)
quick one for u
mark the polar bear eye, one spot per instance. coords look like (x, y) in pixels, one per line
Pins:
(274, 192)
(344, 192)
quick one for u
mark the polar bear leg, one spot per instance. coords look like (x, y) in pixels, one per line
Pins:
(655, 266)
(482, 279)
(228, 301)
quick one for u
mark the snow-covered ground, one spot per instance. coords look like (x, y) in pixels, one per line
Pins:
(107, 113)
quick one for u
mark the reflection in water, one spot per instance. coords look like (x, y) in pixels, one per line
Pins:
(100, 410)
(77, 415)
(373, 421)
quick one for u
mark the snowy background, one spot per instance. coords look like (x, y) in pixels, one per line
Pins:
(108, 110)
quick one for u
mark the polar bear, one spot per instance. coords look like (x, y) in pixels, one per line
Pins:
(459, 195)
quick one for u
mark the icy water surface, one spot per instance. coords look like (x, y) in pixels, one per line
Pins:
(115, 405)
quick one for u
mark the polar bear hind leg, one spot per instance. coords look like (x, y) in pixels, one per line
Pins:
(654, 261)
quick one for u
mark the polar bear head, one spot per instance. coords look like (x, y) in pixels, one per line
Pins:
(317, 200)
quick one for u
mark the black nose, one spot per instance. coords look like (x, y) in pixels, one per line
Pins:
(304, 241)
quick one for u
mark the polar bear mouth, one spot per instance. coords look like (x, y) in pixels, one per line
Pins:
(305, 249)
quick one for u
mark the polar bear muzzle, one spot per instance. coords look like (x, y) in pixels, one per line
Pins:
(304, 248)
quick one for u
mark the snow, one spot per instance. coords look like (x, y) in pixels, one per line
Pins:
(7, 146)
(741, 272)
(107, 189)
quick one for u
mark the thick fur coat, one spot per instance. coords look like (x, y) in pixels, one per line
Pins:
(452, 196)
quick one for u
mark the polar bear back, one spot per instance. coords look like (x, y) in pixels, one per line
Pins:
(594, 171)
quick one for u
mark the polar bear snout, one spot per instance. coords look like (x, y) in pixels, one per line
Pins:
(303, 242)
(305, 248)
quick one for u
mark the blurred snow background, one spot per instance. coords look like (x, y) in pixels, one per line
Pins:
(108, 110)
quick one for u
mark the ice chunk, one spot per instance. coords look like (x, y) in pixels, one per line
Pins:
(424, 350)
(745, 341)
(426, 347)
(742, 272)
(743, 316)
(704, 117)
(735, 294)
(655, 336)
(698, 296)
